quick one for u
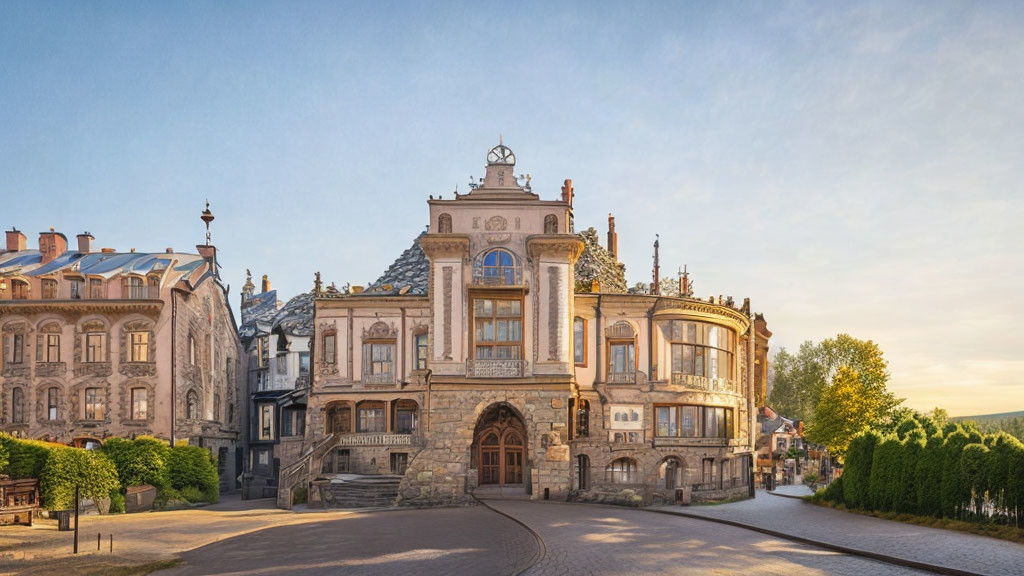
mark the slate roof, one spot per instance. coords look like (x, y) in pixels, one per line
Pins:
(105, 264)
(296, 317)
(261, 310)
(411, 269)
(597, 262)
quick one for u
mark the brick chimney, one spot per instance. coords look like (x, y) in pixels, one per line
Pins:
(613, 238)
(567, 192)
(16, 241)
(266, 284)
(51, 245)
(85, 242)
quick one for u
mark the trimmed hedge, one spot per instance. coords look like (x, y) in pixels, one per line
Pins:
(962, 476)
(193, 467)
(59, 469)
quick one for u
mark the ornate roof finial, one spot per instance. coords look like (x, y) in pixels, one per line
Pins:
(317, 284)
(499, 139)
(207, 217)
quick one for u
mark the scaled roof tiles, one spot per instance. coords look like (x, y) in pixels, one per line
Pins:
(596, 262)
(411, 269)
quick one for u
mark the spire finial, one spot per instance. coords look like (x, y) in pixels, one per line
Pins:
(499, 139)
(207, 217)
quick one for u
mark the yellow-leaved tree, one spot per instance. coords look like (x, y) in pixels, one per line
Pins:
(850, 404)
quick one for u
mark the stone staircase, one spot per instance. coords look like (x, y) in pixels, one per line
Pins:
(357, 491)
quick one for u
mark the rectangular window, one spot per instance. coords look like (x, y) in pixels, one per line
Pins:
(621, 358)
(497, 329)
(579, 341)
(421, 351)
(139, 342)
(303, 362)
(93, 404)
(16, 349)
(405, 419)
(76, 289)
(140, 403)
(95, 289)
(371, 419)
(286, 422)
(19, 290)
(266, 422)
(693, 422)
(49, 289)
(94, 347)
(329, 351)
(134, 288)
(51, 348)
(399, 462)
(51, 404)
(264, 351)
(378, 361)
(668, 420)
(281, 360)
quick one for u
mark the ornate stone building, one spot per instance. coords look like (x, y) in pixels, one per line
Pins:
(502, 352)
(100, 343)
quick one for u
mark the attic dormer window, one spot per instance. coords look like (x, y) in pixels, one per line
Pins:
(133, 288)
(19, 290)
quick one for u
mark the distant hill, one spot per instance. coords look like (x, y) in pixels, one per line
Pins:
(990, 417)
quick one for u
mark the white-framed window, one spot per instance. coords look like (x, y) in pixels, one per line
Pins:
(266, 421)
(420, 342)
(497, 328)
(51, 348)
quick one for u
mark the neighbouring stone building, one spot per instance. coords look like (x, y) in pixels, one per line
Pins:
(277, 344)
(101, 343)
(503, 352)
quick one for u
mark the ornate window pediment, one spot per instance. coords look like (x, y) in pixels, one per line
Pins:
(620, 329)
(380, 331)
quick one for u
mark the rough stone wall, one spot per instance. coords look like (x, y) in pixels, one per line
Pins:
(443, 472)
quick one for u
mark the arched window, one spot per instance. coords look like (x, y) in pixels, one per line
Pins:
(19, 290)
(192, 405)
(444, 224)
(371, 417)
(551, 224)
(18, 406)
(622, 471)
(133, 288)
(670, 473)
(498, 267)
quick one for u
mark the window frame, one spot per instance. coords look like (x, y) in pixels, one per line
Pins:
(371, 407)
(421, 347)
(95, 353)
(580, 353)
(139, 406)
(51, 347)
(330, 345)
(727, 424)
(52, 404)
(48, 289)
(624, 470)
(135, 347)
(20, 289)
(18, 406)
(374, 368)
(96, 289)
(93, 403)
(612, 343)
(495, 296)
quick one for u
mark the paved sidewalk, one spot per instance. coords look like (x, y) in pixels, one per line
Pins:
(948, 549)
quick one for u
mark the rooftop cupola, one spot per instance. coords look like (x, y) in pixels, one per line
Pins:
(500, 179)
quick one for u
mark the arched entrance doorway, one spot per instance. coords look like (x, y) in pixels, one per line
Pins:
(499, 446)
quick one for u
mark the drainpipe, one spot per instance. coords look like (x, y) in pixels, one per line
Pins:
(650, 343)
(174, 363)
(599, 368)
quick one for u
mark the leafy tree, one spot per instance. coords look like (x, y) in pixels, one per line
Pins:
(140, 461)
(3, 456)
(848, 406)
(800, 380)
(973, 478)
(938, 416)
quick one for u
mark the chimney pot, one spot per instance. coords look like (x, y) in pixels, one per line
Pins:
(16, 241)
(613, 238)
(108, 250)
(169, 250)
(51, 245)
(85, 242)
(266, 284)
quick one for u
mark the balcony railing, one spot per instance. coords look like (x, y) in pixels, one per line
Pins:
(382, 378)
(703, 382)
(374, 439)
(622, 377)
(495, 368)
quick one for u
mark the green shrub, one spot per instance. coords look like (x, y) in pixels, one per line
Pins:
(973, 462)
(26, 458)
(928, 477)
(857, 470)
(192, 494)
(886, 466)
(913, 447)
(67, 467)
(116, 502)
(3, 456)
(831, 493)
(192, 466)
(139, 461)
(953, 489)
(300, 495)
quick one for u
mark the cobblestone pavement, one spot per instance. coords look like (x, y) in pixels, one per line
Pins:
(957, 550)
(452, 541)
(583, 539)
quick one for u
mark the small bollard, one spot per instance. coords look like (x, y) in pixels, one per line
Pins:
(98, 536)
(111, 543)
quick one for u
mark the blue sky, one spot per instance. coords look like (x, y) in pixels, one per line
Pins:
(849, 167)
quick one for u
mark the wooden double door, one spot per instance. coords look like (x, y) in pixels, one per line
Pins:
(501, 457)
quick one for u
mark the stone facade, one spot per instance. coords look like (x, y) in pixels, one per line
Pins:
(523, 370)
